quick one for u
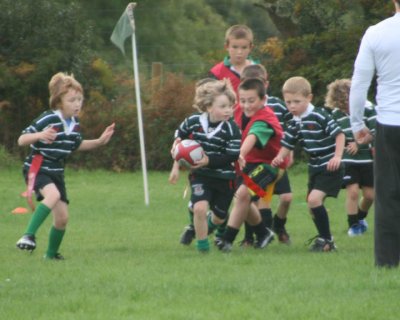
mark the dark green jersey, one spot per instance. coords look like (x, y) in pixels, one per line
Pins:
(280, 110)
(364, 154)
(54, 154)
(217, 139)
(316, 132)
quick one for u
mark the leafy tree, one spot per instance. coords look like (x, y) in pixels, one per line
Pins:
(319, 39)
(37, 39)
(180, 34)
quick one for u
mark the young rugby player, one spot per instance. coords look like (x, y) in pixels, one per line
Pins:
(357, 158)
(52, 137)
(261, 136)
(211, 178)
(321, 137)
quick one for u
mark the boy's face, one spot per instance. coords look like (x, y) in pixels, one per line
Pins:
(221, 109)
(297, 103)
(250, 102)
(238, 50)
(71, 103)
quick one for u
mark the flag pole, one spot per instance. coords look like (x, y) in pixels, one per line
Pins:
(129, 10)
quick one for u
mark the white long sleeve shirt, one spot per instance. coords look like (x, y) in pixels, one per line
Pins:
(379, 52)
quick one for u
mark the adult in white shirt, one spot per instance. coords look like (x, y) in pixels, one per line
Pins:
(379, 54)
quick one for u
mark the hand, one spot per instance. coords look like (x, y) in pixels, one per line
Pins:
(363, 136)
(276, 162)
(48, 135)
(203, 162)
(352, 148)
(334, 163)
(107, 134)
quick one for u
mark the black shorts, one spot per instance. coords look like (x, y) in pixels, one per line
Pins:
(362, 174)
(43, 179)
(283, 185)
(217, 192)
(329, 182)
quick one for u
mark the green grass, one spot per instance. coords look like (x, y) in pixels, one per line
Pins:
(124, 261)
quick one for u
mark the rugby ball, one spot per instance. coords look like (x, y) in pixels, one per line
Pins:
(187, 152)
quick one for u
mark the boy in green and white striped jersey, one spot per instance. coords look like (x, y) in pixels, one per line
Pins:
(357, 158)
(52, 137)
(211, 178)
(323, 140)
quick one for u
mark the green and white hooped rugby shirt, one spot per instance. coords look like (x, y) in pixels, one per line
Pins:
(68, 139)
(216, 139)
(315, 131)
(364, 154)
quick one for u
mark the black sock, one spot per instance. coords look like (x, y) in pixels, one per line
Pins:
(321, 221)
(352, 219)
(248, 232)
(266, 215)
(260, 230)
(362, 214)
(279, 223)
(230, 234)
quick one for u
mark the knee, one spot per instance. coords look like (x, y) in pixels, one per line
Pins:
(243, 195)
(314, 202)
(352, 195)
(286, 198)
(61, 222)
(369, 196)
(200, 208)
(219, 215)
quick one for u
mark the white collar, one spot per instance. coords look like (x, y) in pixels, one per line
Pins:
(68, 128)
(309, 109)
(205, 124)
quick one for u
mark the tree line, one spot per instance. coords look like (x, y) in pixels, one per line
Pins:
(315, 39)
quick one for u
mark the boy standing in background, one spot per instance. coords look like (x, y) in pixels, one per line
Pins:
(238, 43)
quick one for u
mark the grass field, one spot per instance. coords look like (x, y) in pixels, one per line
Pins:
(124, 261)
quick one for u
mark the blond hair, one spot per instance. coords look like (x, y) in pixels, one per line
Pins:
(239, 31)
(207, 92)
(338, 94)
(59, 85)
(296, 85)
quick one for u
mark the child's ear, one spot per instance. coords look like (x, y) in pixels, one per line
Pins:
(310, 97)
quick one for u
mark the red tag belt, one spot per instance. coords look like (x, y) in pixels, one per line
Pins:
(37, 160)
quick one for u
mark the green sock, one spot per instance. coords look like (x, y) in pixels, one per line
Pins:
(211, 225)
(55, 238)
(40, 214)
(221, 229)
(203, 245)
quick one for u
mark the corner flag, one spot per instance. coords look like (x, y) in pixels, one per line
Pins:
(124, 28)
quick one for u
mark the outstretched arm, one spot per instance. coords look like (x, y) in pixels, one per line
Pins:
(101, 141)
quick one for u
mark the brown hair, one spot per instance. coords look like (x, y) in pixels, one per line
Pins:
(59, 85)
(207, 92)
(297, 85)
(254, 71)
(239, 31)
(256, 84)
(338, 94)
